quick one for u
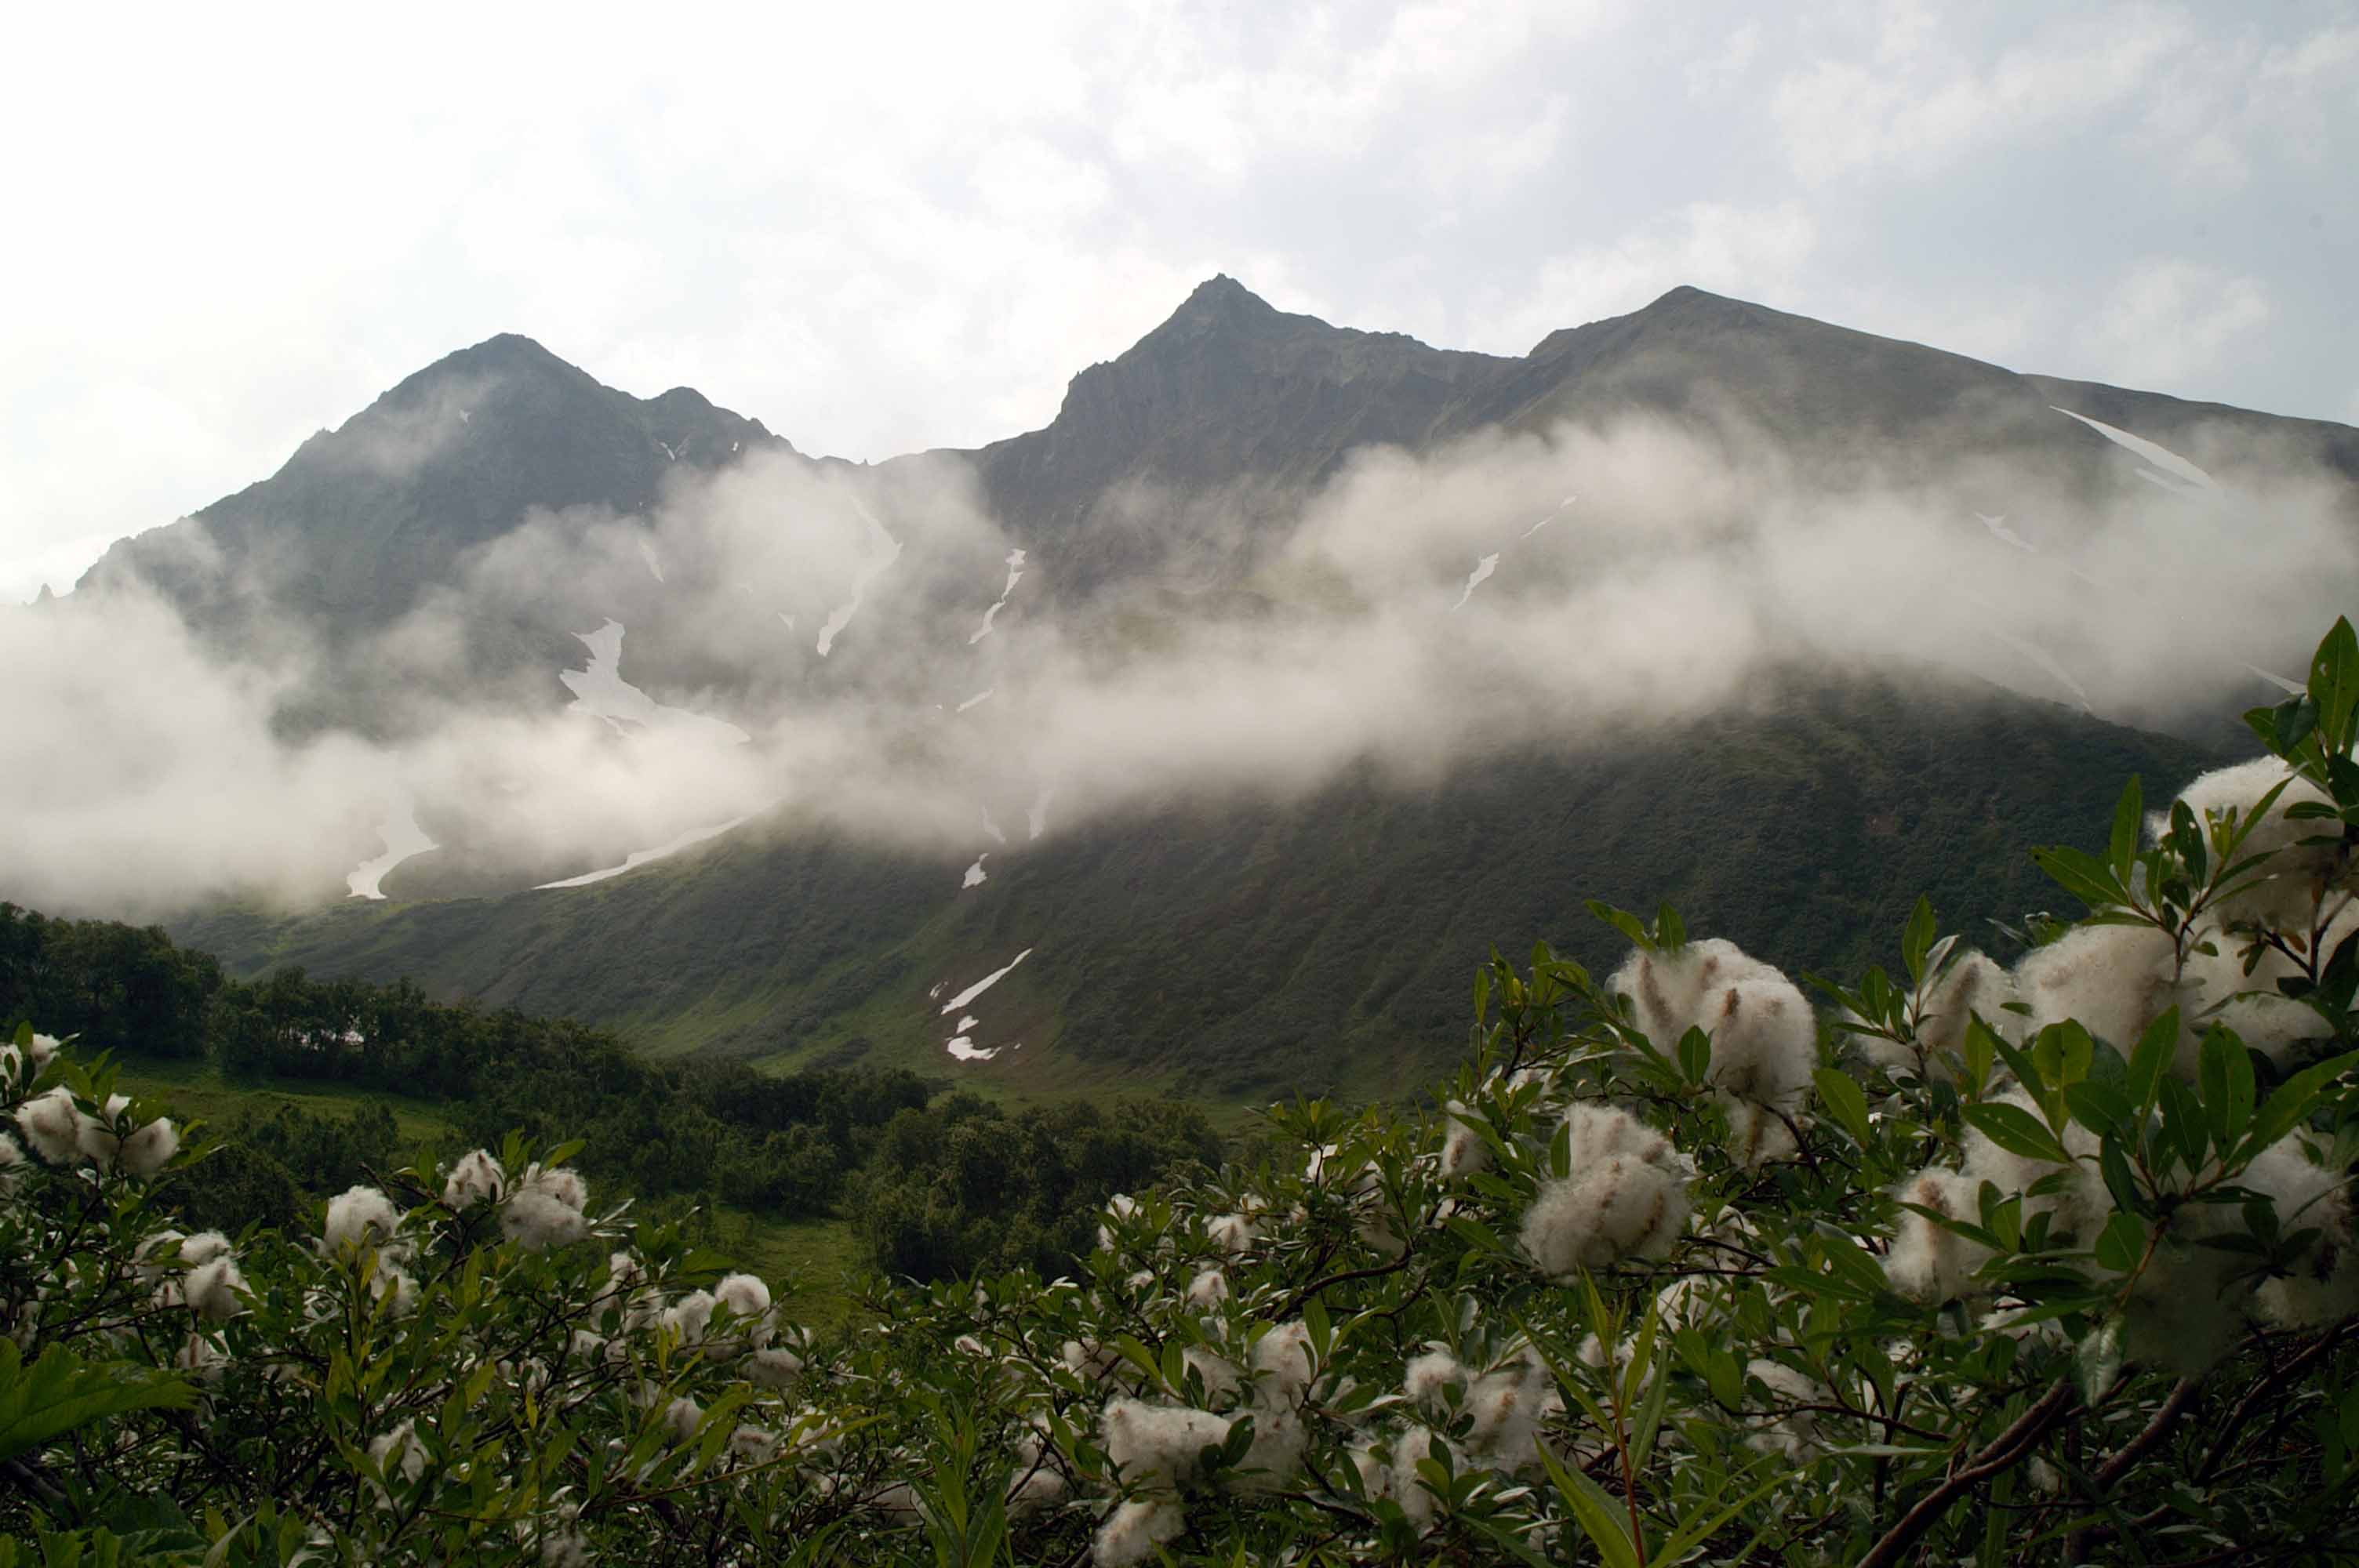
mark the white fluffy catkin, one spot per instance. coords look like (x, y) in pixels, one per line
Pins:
(1120, 1207)
(2286, 895)
(31, 1062)
(1927, 1263)
(2323, 1287)
(1507, 1404)
(2216, 989)
(2117, 979)
(360, 1214)
(1430, 1375)
(1793, 1434)
(1763, 1036)
(689, 1316)
(1972, 983)
(476, 1178)
(1463, 1151)
(2080, 1208)
(1276, 1451)
(745, 1295)
(775, 1366)
(1218, 1374)
(150, 1148)
(1758, 1134)
(1409, 1488)
(1232, 1233)
(1159, 1444)
(1626, 1196)
(397, 1452)
(538, 1219)
(1623, 1207)
(1135, 1528)
(1282, 1362)
(52, 1124)
(2186, 1312)
(214, 1288)
(544, 1210)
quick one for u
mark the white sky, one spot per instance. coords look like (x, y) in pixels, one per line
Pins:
(880, 228)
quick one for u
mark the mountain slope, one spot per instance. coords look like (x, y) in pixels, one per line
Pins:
(1250, 945)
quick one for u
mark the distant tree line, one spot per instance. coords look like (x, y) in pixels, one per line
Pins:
(936, 1186)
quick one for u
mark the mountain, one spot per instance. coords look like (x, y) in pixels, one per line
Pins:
(1229, 399)
(1236, 939)
(1247, 949)
(1233, 400)
(364, 521)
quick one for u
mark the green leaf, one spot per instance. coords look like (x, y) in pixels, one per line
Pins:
(1624, 922)
(1695, 1054)
(2183, 1123)
(2296, 1097)
(2097, 1360)
(60, 1392)
(2227, 1070)
(1845, 1102)
(2156, 1049)
(2083, 875)
(2129, 816)
(2335, 686)
(2114, 1166)
(2100, 1107)
(2122, 1243)
(1917, 940)
(1982, 1044)
(2016, 1130)
(1600, 1517)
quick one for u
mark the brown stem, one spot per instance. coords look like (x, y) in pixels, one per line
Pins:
(2158, 1427)
(2005, 1451)
(2154, 1431)
(2278, 1380)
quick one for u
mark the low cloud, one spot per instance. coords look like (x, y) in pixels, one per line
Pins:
(1637, 574)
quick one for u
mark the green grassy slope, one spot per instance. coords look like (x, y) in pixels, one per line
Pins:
(820, 1258)
(1245, 948)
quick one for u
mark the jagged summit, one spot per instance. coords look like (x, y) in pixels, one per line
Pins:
(1220, 301)
(365, 518)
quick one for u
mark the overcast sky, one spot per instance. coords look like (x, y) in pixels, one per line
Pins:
(880, 228)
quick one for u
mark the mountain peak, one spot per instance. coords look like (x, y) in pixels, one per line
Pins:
(1218, 303)
(503, 354)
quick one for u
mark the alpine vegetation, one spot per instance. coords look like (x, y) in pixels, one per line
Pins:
(1993, 1260)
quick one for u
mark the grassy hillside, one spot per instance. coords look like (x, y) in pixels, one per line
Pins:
(1245, 948)
(822, 1258)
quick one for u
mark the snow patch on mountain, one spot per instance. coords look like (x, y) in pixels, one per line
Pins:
(2170, 471)
(959, 1002)
(402, 838)
(638, 857)
(602, 693)
(868, 573)
(1483, 569)
(1015, 564)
